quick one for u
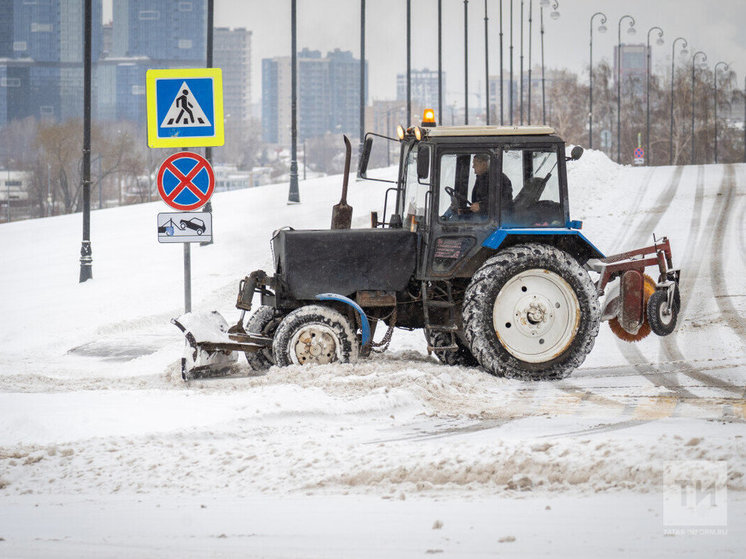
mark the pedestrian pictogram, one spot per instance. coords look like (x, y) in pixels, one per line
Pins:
(185, 181)
(185, 111)
(185, 107)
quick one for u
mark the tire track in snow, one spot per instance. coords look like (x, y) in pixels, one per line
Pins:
(630, 351)
(693, 262)
(718, 255)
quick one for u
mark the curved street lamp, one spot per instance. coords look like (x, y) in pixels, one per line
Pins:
(555, 16)
(601, 29)
(673, 70)
(659, 41)
(715, 78)
(631, 31)
(694, 59)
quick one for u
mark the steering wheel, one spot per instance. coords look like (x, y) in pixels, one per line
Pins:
(457, 195)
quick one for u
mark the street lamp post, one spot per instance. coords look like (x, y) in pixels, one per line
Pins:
(466, 61)
(715, 74)
(554, 15)
(673, 70)
(486, 66)
(409, 63)
(631, 31)
(647, 91)
(520, 89)
(510, 91)
(601, 29)
(530, 24)
(502, 118)
(362, 76)
(441, 118)
(694, 59)
(86, 252)
(293, 192)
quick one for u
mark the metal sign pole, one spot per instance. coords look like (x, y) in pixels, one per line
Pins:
(187, 278)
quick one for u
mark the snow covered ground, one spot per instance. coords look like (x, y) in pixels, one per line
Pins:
(105, 452)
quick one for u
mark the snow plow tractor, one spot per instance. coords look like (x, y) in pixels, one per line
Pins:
(476, 248)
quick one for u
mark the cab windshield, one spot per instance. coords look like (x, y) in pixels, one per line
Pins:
(414, 194)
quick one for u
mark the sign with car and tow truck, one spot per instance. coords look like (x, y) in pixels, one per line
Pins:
(184, 227)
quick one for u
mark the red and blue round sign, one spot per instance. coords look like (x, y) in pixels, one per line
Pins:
(639, 153)
(185, 181)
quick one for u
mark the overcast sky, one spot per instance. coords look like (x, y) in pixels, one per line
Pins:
(715, 27)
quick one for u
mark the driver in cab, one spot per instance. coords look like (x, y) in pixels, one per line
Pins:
(481, 190)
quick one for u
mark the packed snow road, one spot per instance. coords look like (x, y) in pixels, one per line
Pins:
(94, 414)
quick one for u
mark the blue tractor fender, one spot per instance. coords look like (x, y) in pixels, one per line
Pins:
(569, 236)
(365, 325)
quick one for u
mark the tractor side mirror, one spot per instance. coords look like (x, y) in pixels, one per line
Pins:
(423, 162)
(362, 168)
(576, 153)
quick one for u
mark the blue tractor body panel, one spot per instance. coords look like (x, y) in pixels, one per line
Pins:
(496, 239)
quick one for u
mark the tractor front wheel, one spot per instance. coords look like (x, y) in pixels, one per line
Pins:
(314, 335)
(531, 312)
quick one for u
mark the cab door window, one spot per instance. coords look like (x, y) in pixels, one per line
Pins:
(465, 185)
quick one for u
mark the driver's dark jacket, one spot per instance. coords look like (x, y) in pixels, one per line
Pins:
(480, 192)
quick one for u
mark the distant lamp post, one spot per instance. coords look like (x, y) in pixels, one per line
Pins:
(630, 31)
(293, 192)
(694, 59)
(486, 65)
(502, 77)
(673, 72)
(554, 15)
(530, 36)
(466, 61)
(601, 29)
(715, 74)
(658, 41)
(86, 252)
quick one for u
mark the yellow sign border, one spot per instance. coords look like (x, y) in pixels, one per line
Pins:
(218, 139)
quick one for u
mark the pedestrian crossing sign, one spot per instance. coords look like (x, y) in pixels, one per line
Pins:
(185, 107)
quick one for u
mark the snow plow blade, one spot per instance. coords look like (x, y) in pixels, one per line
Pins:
(211, 345)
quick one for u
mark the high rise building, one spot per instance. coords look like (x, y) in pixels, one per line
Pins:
(232, 53)
(162, 30)
(41, 57)
(148, 34)
(424, 88)
(328, 95)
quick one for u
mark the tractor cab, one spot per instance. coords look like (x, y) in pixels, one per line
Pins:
(461, 188)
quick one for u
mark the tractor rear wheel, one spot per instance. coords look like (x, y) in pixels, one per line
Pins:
(314, 335)
(262, 323)
(531, 312)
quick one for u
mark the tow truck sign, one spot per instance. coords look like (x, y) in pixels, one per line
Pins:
(185, 107)
(184, 227)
